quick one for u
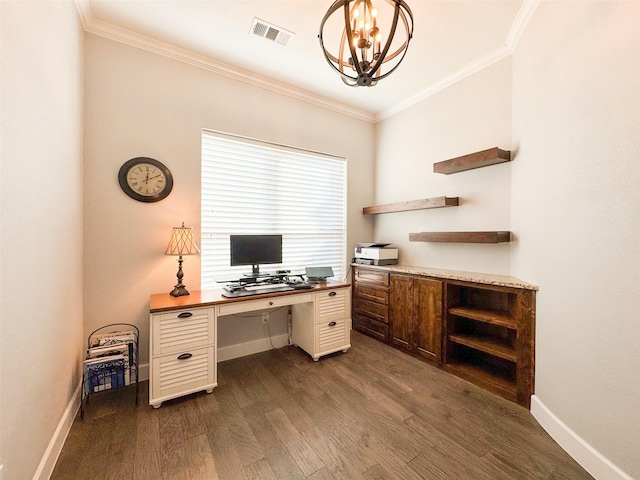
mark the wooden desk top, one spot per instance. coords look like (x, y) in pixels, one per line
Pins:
(161, 302)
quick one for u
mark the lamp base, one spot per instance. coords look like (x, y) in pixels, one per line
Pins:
(179, 291)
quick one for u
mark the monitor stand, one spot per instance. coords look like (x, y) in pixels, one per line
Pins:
(255, 272)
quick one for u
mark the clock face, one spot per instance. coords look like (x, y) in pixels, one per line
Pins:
(145, 179)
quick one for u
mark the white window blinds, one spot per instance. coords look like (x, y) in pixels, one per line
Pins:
(253, 187)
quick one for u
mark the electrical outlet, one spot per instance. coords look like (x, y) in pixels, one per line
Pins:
(265, 318)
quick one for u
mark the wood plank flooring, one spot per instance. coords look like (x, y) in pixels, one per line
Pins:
(372, 413)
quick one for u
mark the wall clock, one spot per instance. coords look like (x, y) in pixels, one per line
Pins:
(145, 179)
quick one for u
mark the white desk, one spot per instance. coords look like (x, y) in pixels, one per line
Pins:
(183, 332)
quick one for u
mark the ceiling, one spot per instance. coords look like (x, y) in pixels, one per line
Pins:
(452, 39)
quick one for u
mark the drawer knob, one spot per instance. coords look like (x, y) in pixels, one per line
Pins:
(333, 294)
(185, 315)
(270, 303)
(184, 356)
(332, 324)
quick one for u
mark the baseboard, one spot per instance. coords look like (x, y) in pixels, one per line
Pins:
(143, 372)
(588, 457)
(50, 457)
(249, 348)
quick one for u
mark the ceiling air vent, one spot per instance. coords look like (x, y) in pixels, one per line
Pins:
(265, 30)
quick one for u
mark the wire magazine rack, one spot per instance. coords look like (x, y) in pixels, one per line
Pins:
(111, 360)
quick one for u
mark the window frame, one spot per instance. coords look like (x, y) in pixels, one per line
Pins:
(293, 173)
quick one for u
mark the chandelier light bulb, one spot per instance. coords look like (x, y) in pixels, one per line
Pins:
(368, 53)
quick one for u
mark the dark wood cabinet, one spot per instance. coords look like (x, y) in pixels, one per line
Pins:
(370, 313)
(415, 315)
(427, 294)
(482, 332)
(489, 338)
(401, 308)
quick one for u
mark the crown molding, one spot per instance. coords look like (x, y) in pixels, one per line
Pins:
(84, 10)
(469, 69)
(520, 22)
(98, 27)
(107, 30)
(517, 27)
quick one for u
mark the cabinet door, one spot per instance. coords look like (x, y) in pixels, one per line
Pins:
(401, 311)
(427, 295)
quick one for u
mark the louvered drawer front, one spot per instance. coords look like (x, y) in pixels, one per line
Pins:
(332, 305)
(183, 330)
(175, 374)
(331, 335)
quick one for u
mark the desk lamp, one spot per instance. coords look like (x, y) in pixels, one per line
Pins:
(181, 243)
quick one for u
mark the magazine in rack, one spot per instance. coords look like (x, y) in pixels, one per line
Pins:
(111, 360)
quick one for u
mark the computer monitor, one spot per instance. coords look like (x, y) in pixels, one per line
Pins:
(255, 250)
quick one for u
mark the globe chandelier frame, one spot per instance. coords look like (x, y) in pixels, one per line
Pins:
(362, 40)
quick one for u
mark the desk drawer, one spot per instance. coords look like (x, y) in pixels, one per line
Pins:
(186, 372)
(331, 335)
(332, 305)
(264, 303)
(181, 330)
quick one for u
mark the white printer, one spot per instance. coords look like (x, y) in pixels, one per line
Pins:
(376, 254)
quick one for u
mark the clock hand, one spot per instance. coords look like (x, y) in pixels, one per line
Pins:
(159, 175)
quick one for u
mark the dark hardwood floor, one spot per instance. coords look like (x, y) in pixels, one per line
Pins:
(372, 413)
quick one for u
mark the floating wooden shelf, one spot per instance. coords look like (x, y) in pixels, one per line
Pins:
(436, 202)
(492, 156)
(461, 237)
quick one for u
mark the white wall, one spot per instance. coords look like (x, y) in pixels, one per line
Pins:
(567, 104)
(143, 104)
(41, 218)
(471, 115)
(575, 199)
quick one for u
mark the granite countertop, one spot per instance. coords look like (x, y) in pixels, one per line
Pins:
(484, 278)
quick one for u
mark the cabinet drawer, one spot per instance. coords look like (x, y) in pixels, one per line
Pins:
(372, 293)
(264, 303)
(332, 304)
(373, 276)
(180, 330)
(331, 335)
(377, 311)
(173, 375)
(371, 327)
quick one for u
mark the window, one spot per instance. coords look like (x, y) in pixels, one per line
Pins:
(254, 187)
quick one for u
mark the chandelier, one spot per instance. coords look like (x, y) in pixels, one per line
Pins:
(367, 41)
